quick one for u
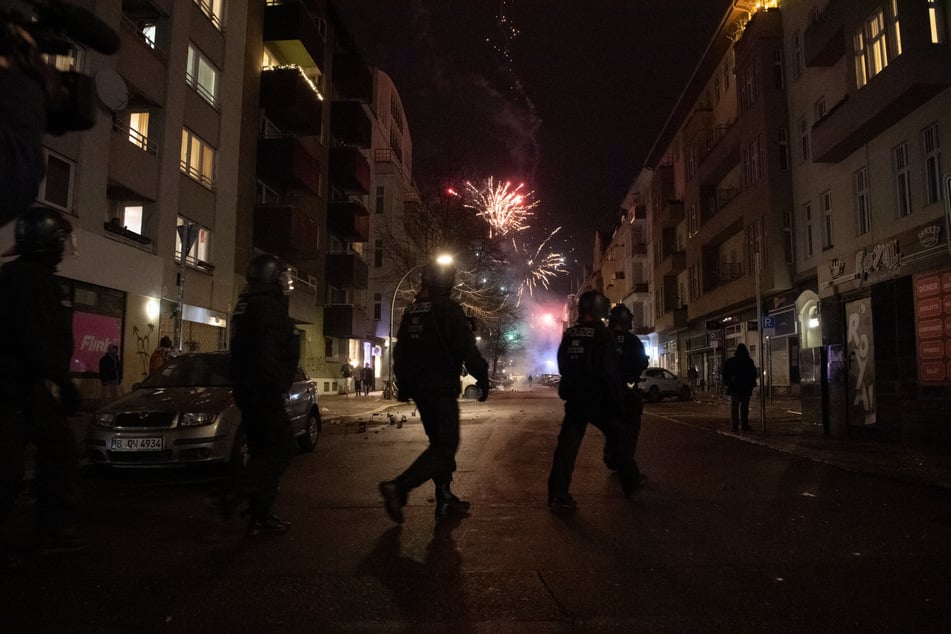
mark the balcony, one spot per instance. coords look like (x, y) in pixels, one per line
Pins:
(677, 261)
(346, 270)
(286, 163)
(293, 32)
(348, 220)
(641, 287)
(909, 80)
(350, 124)
(291, 100)
(722, 155)
(352, 77)
(639, 249)
(671, 213)
(823, 41)
(680, 317)
(286, 231)
(387, 161)
(141, 64)
(133, 166)
(346, 321)
(349, 170)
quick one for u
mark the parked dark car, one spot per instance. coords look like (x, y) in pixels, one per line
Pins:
(185, 413)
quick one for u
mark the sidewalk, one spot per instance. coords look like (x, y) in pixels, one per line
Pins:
(785, 432)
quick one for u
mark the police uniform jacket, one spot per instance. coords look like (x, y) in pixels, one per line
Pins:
(264, 348)
(590, 367)
(633, 359)
(37, 317)
(435, 338)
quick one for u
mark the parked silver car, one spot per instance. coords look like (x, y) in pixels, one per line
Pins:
(656, 383)
(185, 413)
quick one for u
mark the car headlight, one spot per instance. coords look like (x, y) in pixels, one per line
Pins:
(194, 419)
(103, 419)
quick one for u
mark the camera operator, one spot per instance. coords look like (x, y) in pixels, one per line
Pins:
(36, 98)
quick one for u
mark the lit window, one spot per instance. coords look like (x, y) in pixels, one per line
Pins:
(198, 159)
(895, 26)
(875, 45)
(132, 218)
(139, 129)
(213, 9)
(935, 21)
(201, 75)
(200, 252)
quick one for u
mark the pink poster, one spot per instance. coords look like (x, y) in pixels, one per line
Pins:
(92, 335)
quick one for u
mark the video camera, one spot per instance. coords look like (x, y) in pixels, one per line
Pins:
(55, 29)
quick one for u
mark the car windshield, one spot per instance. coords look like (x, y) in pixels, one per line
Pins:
(193, 370)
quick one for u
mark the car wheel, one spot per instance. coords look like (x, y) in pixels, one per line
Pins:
(308, 441)
(471, 392)
(684, 393)
(653, 394)
(239, 451)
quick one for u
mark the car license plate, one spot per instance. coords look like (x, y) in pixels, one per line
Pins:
(137, 444)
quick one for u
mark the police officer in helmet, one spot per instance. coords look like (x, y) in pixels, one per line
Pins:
(591, 385)
(36, 392)
(633, 362)
(435, 338)
(264, 356)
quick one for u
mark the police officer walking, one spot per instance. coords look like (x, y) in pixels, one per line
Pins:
(591, 386)
(36, 393)
(435, 338)
(264, 356)
(633, 362)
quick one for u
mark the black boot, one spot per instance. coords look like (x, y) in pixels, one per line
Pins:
(448, 505)
(394, 499)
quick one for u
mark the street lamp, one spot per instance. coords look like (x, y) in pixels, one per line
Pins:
(442, 260)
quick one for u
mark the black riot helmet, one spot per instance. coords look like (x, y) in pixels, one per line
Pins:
(593, 304)
(622, 315)
(269, 271)
(438, 278)
(40, 230)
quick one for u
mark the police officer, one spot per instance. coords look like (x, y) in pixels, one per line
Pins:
(435, 339)
(591, 386)
(36, 393)
(633, 362)
(264, 356)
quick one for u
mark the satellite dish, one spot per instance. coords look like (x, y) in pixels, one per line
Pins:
(112, 91)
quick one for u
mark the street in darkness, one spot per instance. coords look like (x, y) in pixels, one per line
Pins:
(727, 536)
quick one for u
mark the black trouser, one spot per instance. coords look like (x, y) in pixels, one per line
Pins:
(43, 424)
(577, 416)
(271, 447)
(628, 432)
(740, 410)
(439, 411)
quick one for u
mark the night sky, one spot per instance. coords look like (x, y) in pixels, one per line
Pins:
(564, 95)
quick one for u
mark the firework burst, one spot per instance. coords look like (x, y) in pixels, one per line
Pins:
(506, 209)
(537, 267)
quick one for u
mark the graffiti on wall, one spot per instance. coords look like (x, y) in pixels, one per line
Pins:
(861, 361)
(143, 346)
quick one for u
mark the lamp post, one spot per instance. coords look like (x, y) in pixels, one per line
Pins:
(442, 260)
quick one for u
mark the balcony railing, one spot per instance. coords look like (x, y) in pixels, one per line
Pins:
(350, 124)
(286, 231)
(348, 220)
(823, 41)
(285, 162)
(347, 270)
(349, 170)
(346, 321)
(292, 22)
(291, 100)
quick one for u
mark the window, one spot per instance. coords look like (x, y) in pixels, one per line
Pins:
(860, 189)
(131, 217)
(200, 253)
(380, 191)
(931, 143)
(264, 195)
(902, 179)
(693, 221)
(213, 10)
(788, 246)
(819, 108)
(139, 130)
(754, 161)
(378, 306)
(778, 80)
(198, 159)
(935, 21)
(201, 75)
(783, 149)
(803, 140)
(378, 253)
(798, 60)
(875, 44)
(826, 219)
(749, 87)
(56, 190)
(807, 214)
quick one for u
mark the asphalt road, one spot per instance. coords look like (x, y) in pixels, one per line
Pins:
(727, 537)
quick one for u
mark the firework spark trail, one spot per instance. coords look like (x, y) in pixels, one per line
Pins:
(538, 267)
(504, 208)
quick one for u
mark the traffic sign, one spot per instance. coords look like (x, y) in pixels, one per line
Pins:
(769, 327)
